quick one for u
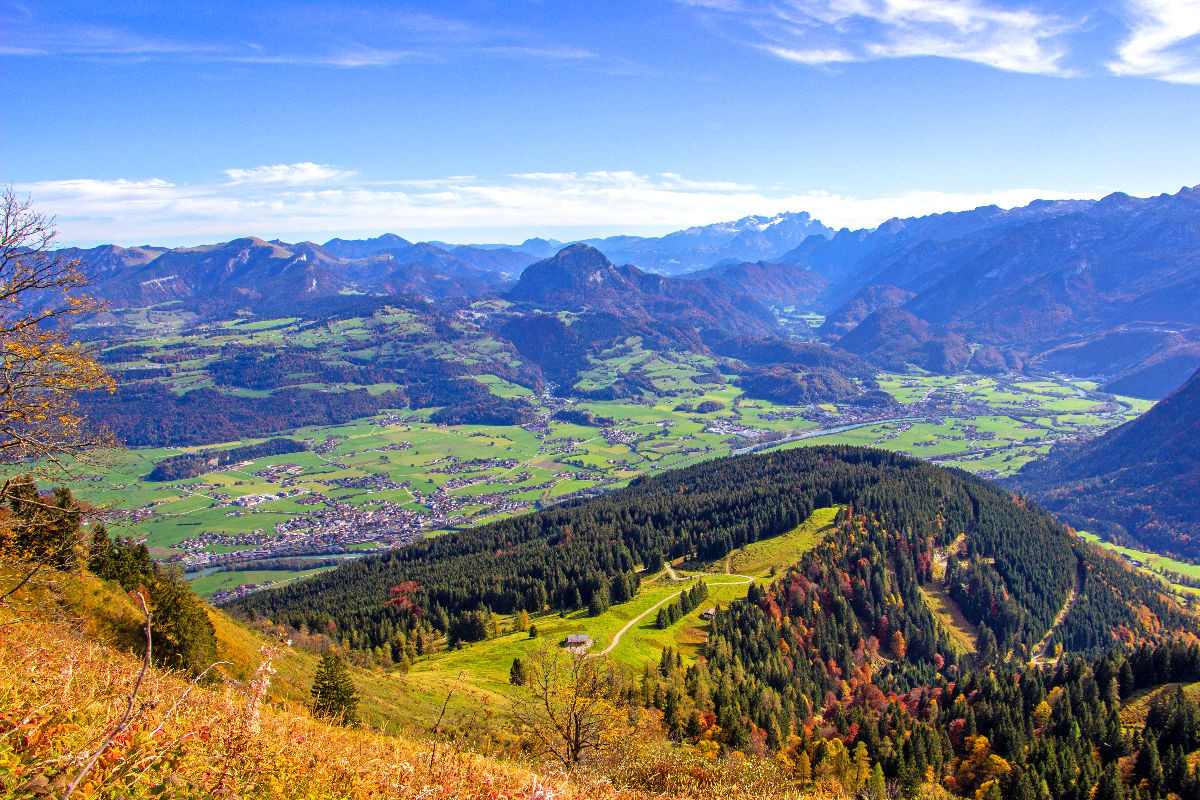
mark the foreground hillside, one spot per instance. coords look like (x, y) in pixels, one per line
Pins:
(938, 632)
(1138, 483)
(73, 686)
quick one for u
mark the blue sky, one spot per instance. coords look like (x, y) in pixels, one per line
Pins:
(181, 123)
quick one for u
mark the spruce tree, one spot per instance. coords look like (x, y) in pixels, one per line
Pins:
(516, 675)
(876, 787)
(182, 636)
(1110, 784)
(333, 693)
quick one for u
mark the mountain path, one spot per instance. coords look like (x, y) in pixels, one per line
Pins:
(617, 638)
(1072, 596)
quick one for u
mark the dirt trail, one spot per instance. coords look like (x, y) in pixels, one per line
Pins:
(673, 576)
(1039, 652)
(617, 638)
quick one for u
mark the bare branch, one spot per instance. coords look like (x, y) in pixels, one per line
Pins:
(125, 720)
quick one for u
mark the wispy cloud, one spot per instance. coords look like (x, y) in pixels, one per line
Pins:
(28, 38)
(830, 32)
(1163, 43)
(309, 200)
(348, 36)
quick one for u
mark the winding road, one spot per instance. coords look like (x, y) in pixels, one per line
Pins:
(746, 579)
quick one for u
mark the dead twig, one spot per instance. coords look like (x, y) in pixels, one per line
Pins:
(437, 726)
(125, 720)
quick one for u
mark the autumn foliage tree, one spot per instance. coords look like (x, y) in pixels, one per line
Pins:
(571, 708)
(43, 369)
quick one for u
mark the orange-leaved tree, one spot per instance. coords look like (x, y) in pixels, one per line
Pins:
(41, 424)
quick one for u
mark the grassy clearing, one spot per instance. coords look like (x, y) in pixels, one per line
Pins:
(950, 616)
(761, 558)
(1135, 709)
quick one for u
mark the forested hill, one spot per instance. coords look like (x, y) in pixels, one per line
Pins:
(1009, 567)
(1140, 481)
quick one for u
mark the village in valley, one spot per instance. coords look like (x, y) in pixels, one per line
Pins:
(382, 483)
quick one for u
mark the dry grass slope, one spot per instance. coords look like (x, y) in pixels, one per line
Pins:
(62, 692)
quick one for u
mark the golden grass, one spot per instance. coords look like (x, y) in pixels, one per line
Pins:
(62, 693)
(949, 616)
(780, 552)
(68, 666)
(1135, 708)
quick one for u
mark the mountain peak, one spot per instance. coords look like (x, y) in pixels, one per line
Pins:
(575, 267)
(364, 248)
(580, 256)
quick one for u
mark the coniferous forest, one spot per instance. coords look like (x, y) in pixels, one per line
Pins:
(838, 665)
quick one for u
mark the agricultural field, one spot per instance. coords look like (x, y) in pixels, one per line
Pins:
(1154, 564)
(383, 480)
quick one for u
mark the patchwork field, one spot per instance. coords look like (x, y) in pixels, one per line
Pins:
(383, 480)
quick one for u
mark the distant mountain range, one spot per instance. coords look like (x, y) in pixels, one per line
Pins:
(1138, 482)
(1107, 289)
(751, 238)
(249, 270)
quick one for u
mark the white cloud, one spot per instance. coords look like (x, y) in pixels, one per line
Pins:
(305, 173)
(273, 203)
(1163, 43)
(822, 32)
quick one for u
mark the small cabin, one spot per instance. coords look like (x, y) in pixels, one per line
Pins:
(708, 613)
(580, 640)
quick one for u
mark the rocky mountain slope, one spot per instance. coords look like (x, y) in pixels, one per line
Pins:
(1139, 482)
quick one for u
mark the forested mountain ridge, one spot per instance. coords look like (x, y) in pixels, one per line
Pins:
(1138, 482)
(1011, 572)
(773, 283)
(580, 277)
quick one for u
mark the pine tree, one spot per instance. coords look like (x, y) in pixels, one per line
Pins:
(876, 787)
(1151, 768)
(516, 675)
(182, 636)
(333, 692)
(1110, 784)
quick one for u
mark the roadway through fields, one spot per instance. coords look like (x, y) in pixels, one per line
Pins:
(811, 434)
